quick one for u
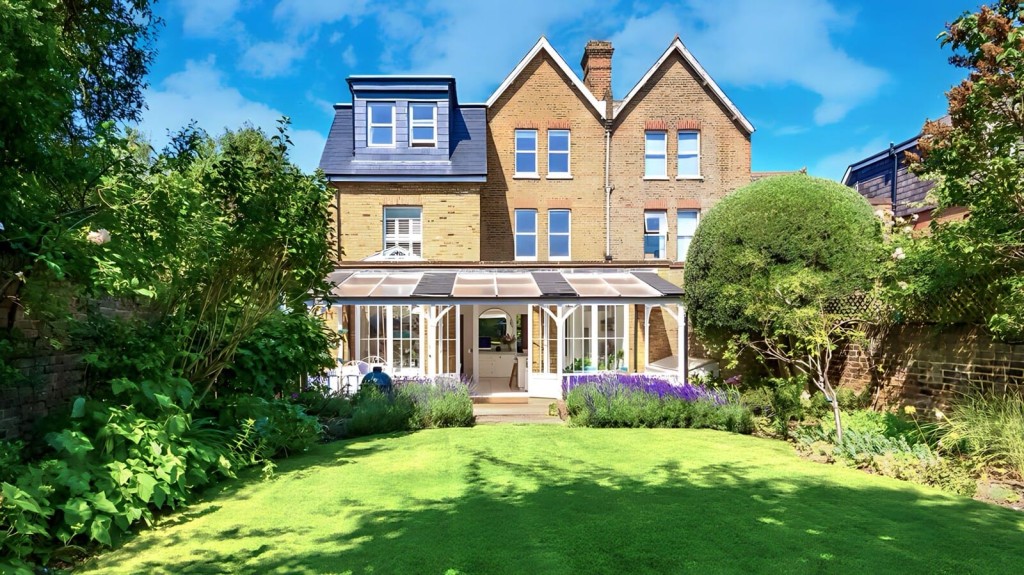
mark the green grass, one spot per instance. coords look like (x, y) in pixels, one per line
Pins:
(551, 499)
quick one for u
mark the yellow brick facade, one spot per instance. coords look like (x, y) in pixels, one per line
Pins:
(451, 218)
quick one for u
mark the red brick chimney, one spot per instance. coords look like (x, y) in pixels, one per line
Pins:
(597, 68)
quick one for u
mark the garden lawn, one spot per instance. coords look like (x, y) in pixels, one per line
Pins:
(552, 499)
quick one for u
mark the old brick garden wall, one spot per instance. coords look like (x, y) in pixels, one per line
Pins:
(927, 367)
(54, 376)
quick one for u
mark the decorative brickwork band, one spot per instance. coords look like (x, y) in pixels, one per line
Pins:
(688, 125)
(526, 125)
(656, 205)
(558, 124)
(656, 125)
(688, 204)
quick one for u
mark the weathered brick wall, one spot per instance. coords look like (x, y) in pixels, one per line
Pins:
(54, 376)
(927, 367)
(451, 217)
(674, 94)
(543, 98)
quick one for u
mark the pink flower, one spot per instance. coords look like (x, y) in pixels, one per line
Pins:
(98, 237)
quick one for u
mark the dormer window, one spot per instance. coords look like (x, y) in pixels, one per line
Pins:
(380, 129)
(422, 125)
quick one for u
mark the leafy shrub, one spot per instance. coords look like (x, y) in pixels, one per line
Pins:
(281, 427)
(284, 348)
(320, 400)
(439, 402)
(818, 405)
(887, 445)
(375, 412)
(631, 401)
(762, 236)
(988, 426)
(776, 399)
(945, 474)
(113, 467)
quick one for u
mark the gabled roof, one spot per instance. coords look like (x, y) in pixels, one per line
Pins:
(543, 44)
(886, 153)
(677, 46)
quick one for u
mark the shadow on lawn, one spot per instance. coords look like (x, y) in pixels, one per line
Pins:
(579, 518)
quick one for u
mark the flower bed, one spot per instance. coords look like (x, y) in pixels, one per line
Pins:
(633, 400)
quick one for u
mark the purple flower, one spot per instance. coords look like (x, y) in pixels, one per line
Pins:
(620, 383)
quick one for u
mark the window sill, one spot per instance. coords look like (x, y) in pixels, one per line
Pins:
(693, 178)
(525, 259)
(656, 178)
(559, 258)
(525, 176)
(559, 176)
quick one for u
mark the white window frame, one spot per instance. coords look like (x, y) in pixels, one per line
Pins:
(662, 233)
(567, 233)
(689, 154)
(516, 233)
(515, 159)
(408, 240)
(414, 123)
(370, 124)
(681, 256)
(567, 174)
(648, 154)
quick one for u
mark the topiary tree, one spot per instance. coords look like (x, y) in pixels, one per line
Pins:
(772, 268)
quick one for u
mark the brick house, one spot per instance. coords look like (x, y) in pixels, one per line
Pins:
(539, 233)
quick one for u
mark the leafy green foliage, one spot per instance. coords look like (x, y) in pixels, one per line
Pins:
(989, 426)
(69, 71)
(772, 266)
(110, 469)
(778, 399)
(375, 412)
(795, 240)
(889, 445)
(972, 270)
(280, 428)
(283, 349)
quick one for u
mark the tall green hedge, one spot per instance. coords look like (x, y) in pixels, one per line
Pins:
(785, 230)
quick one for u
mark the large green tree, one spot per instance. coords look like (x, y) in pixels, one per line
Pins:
(774, 267)
(972, 270)
(70, 70)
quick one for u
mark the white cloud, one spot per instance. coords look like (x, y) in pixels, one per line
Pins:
(209, 18)
(751, 43)
(272, 59)
(477, 42)
(834, 165)
(199, 93)
(349, 57)
(306, 14)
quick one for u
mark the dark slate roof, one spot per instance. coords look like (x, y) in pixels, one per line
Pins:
(873, 179)
(467, 159)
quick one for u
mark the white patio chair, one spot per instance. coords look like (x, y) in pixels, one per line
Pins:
(352, 373)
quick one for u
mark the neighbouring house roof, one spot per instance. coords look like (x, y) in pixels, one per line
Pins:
(677, 47)
(874, 176)
(446, 287)
(544, 45)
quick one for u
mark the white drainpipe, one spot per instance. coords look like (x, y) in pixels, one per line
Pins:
(607, 193)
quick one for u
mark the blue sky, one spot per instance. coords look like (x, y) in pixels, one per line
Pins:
(824, 82)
